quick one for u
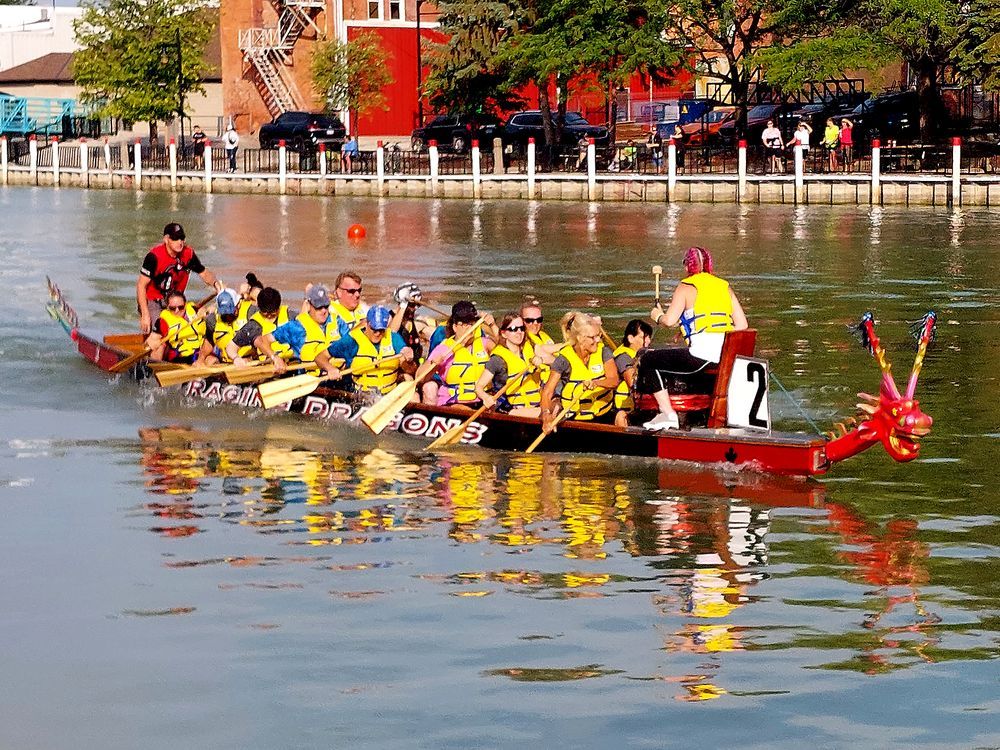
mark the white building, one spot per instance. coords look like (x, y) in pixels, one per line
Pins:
(29, 32)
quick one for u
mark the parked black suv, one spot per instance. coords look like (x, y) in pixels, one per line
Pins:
(524, 125)
(757, 118)
(302, 131)
(456, 132)
(891, 117)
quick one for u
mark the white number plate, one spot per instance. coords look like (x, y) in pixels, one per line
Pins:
(747, 395)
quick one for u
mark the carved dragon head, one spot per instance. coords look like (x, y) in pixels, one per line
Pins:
(892, 418)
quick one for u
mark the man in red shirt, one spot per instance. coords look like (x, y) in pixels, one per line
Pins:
(166, 269)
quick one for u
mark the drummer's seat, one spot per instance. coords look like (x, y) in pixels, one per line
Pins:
(709, 407)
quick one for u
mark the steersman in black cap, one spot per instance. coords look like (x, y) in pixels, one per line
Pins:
(166, 269)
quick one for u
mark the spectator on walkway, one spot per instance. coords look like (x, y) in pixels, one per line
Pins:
(773, 147)
(348, 153)
(655, 145)
(232, 143)
(801, 137)
(847, 142)
(831, 140)
(680, 145)
(198, 139)
(582, 146)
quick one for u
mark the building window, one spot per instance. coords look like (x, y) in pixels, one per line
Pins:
(374, 8)
(395, 9)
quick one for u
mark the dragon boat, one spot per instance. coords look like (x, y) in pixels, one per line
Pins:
(729, 426)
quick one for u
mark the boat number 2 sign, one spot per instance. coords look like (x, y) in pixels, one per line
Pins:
(747, 396)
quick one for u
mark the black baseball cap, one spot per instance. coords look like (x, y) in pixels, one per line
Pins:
(464, 312)
(174, 231)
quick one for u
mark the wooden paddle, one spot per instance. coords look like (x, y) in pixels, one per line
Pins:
(455, 433)
(263, 371)
(380, 414)
(657, 270)
(167, 378)
(561, 417)
(283, 390)
(129, 362)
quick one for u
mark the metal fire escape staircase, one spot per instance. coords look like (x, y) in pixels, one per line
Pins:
(267, 50)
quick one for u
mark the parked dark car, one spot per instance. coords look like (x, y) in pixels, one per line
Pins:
(303, 131)
(890, 117)
(456, 132)
(816, 113)
(524, 125)
(757, 119)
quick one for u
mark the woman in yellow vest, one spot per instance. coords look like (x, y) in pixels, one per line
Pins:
(638, 334)
(270, 314)
(584, 375)
(458, 367)
(706, 309)
(510, 360)
(178, 333)
(541, 349)
(311, 332)
(371, 351)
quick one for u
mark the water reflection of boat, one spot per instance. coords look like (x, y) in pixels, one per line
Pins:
(893, 419)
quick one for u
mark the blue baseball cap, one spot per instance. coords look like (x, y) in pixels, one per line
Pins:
(379, 317)
(225, 302)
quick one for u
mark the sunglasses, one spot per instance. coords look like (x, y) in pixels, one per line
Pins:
(514, 329)
(533, 320)
(350, 291)
(321, 307)
(175, 308)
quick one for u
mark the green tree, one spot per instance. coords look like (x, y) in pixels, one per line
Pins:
(127, 65)
(352, 75)
(466, 72)
(977, 53)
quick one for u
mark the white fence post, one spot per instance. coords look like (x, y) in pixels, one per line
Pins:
(55, 161)
(208, 166)
(591, 170)
(172, 152)
(876, 171)
(432, 151)
(33, 157)
(322, 160)
(282, 166)
(84, 157)
(477, 185)
(380, 167)
(671, 169)
(138, 163)
(799, 170)
(531, 168)
(956, 172)
(741, 168)
(3, 158)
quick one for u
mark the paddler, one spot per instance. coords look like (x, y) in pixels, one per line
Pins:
(540, 345)
(247, 305)
(458, 367)
(310, 333)
(220, 328)
(706, 308)
(270, 314)
(637, 337)
(510, 359)
(373, 345)
(178, 332)
(583, 376)
(165, 269)
(347, 309)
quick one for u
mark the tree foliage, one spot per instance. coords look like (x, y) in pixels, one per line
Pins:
(127, 63)
(977, 52)
(352, 75)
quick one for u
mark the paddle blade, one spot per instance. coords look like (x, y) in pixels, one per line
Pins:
(282, 391)
(241, 375)
(129, 362)
(167, 378)
(385, 409)
(451, 436)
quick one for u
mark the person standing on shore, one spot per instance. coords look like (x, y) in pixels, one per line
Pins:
(772, 140)
(847, 142)
(232, 142)
(831, 141)
(166, 269)
(348, 153)
(198, 139)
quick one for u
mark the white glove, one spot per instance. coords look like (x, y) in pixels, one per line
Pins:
(408, 292)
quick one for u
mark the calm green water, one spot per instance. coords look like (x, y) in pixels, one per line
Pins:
(176, 576)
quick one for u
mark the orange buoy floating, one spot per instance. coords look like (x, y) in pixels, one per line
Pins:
(356, 232)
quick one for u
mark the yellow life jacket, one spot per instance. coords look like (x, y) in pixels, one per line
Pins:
(623, 395)
(591, 405)
(528, 390)
(465, 369)
(351, 317)
(713, 306)
(532, 340)
(385, 375)
(267, 326)
(184, 334)
(243, 313)
(318, 337)
(222, 336)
